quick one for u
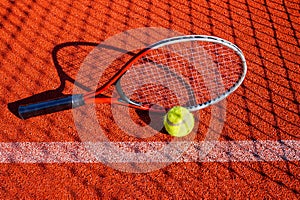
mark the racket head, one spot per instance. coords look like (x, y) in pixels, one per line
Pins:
(193, 71)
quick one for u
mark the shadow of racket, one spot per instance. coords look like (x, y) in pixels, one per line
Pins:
(67, 58)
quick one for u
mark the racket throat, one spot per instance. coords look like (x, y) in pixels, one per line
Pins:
(132, 104)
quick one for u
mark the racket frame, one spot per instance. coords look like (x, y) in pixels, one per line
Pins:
(179, 39)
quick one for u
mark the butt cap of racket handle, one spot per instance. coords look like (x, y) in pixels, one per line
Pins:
(51, 106)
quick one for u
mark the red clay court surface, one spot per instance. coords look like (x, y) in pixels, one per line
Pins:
(263, 111)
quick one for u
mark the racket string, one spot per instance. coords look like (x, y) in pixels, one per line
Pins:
(188, 74)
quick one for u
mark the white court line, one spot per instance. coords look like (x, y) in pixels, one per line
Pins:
(76, 152)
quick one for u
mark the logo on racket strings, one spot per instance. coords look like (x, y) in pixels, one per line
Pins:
(102, 128)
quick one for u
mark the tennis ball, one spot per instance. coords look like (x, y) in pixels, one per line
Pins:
(179, 121)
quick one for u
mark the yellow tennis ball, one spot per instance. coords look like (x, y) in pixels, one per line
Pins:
(179, 121)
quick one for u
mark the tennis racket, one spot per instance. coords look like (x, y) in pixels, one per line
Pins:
(193, 71)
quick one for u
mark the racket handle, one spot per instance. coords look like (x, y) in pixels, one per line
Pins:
(51, 106)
